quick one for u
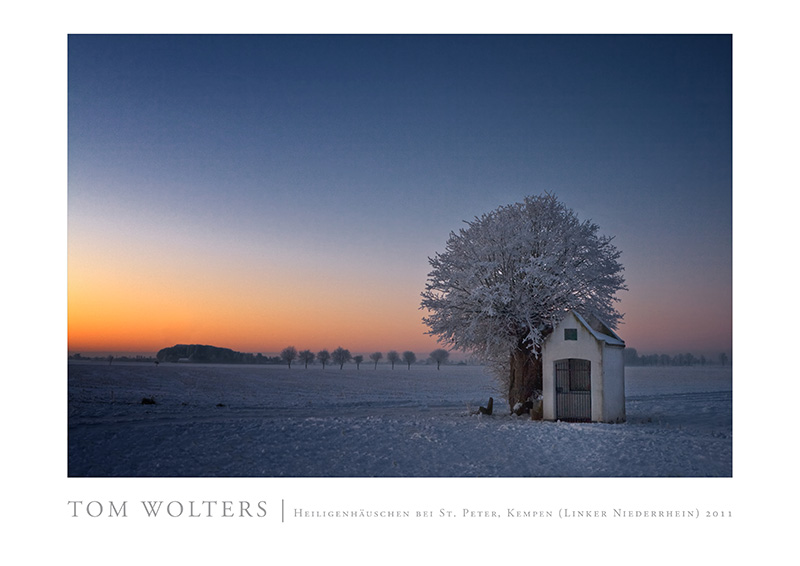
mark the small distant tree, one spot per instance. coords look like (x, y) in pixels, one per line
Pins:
(358, 359)
(375, 357)
(289, 355)
(723, 358)
(323, 356)
(341, 356)
(307, 356)
(409, 358)
(393, 357)
(440, 356)
(630, 357)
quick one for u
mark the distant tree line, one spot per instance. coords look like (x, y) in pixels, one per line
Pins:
(632, 358)
(201, 353)
(198, 353)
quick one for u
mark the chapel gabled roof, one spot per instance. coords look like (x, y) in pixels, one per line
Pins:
(599, 329)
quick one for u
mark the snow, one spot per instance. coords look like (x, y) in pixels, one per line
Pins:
(610, 338)
(271, 421)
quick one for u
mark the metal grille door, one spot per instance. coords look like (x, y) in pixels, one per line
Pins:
(573, 390)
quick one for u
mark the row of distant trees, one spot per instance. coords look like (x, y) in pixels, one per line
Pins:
(632, 358)
(198, 353)
(341, 356)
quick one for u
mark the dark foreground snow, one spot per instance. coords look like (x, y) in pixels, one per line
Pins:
(272, 421)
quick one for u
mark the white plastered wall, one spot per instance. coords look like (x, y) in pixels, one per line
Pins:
(557, 348)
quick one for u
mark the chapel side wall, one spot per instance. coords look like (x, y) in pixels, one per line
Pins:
(614, 385)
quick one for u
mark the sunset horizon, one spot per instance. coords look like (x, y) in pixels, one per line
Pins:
(257, 192)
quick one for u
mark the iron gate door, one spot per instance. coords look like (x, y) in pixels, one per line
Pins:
(573, 390)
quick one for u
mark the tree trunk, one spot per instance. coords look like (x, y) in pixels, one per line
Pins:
(525, 375)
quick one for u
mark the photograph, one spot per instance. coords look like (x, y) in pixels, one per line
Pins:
(400, 256)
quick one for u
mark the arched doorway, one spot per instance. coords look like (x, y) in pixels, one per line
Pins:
(573, 389)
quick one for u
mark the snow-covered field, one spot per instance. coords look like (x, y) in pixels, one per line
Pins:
(271, 421)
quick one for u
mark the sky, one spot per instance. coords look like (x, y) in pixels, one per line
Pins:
(260, 191)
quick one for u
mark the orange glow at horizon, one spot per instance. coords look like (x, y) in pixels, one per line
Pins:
(119, 300)
(140, 309)
(134, 308)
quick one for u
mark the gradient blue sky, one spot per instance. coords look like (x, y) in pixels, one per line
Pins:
(260, 191)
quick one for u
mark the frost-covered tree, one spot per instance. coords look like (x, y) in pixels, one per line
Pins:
(341, 356)
(323, 356)
(409, 358)
(440, 356)
(306, 356)
(289, 355)
(505, 280)
(358, 359)
(375, 357)
(393, 357)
